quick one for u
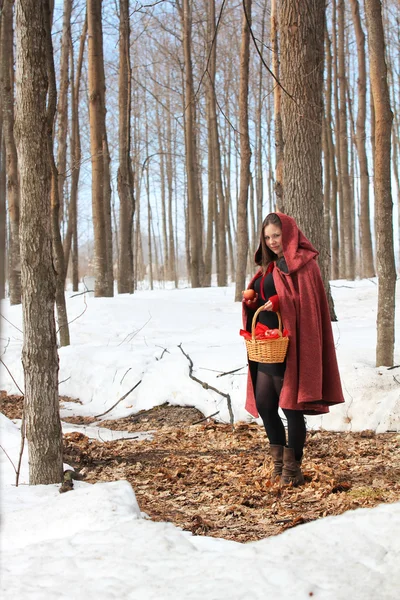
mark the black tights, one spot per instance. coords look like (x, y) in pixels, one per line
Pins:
(268, 389)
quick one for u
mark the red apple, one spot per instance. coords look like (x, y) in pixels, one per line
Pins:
(249, 294)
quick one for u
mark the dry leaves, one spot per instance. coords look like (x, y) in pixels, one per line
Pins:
(212, 480)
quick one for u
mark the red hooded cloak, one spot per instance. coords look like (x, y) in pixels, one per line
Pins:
(312, 381)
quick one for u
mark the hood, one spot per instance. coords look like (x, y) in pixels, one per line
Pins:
(297, 249)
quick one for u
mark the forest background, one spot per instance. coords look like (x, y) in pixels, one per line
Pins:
(185, 123)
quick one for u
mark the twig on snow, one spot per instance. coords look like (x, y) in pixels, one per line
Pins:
(132, 335)
(118, 401)
(206, 418)
(230, 372)
(164, 350)
(206, 386)
(394, 367)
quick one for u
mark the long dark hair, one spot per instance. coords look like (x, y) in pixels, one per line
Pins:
(264, 255)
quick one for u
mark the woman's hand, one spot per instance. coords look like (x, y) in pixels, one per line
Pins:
(268, 306)
(250, 302)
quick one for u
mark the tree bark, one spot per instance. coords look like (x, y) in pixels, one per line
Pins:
(39, 353)
(277, 109)
(382, 185)
(2, 209)
(367, 259)
(242, 237)
(62, 108)
(71, 237)
(349, 266)
(302, 62)
(125, 173)
(13, 191)
(58, 253)
(194, 202)
(97, 131)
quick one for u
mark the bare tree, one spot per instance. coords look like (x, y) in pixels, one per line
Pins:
(367, 260)
(125, 173)
(194, 202)
(71, 237)
(62, 108)
(245, 154)
(13, 192)
(39, 353)
(302, 61)
(99, 150)
(382, 185)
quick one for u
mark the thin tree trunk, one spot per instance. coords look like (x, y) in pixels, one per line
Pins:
(334, 229)
(97, 127)
(2, 209)
(125, 174)
(58, 252)
(277, 109)
(13, 191)
(194, 207)
(245, 155)
(367, 262)
(62, 108)
(39, 353)
(382, 185)
(71, 237)
(349, 270)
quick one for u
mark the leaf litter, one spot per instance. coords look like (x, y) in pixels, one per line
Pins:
(212, 479)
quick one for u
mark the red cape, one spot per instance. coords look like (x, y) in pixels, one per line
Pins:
(312, 381)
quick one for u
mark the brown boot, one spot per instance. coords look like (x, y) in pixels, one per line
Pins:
(291, 472)
(277, 457)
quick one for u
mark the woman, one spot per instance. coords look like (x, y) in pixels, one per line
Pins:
(289, 280)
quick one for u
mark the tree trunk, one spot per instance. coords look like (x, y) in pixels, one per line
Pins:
(382, 185)
(242, 238)
(97, 129)
(302, 59)
(13, 191)
(2, 210)
(125, 174)
(71, 238)
(367, 259)
(349, 270)
(194, 203)
(39, 354)
(58, 253)
(277, 109)
(334, 271)
(62, 108)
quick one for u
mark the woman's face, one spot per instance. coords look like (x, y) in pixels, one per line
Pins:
(273, 238)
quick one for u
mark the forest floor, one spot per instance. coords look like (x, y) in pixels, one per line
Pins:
(212, 479)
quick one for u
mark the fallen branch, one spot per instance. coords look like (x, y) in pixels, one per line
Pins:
(118, 401)
(394, 367)
(12, 324)
(132, 335)
(206, 386)
(164, 350)
(206, 418)
(81, 293)
(230, 372)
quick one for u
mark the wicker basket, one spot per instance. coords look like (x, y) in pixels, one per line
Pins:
(268, 350)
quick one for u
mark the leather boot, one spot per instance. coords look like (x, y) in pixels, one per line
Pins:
(277, 457)
(291, 472)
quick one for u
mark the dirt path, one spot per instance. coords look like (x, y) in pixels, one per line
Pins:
(211, 480)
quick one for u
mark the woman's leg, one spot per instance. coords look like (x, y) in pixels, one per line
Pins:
(268, 388)
(296, 431)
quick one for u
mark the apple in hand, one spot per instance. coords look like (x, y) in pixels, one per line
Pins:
(249, 294)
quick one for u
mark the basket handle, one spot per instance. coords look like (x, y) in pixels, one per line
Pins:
(253, 323)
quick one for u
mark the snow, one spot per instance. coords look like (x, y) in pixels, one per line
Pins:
(94, 542)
